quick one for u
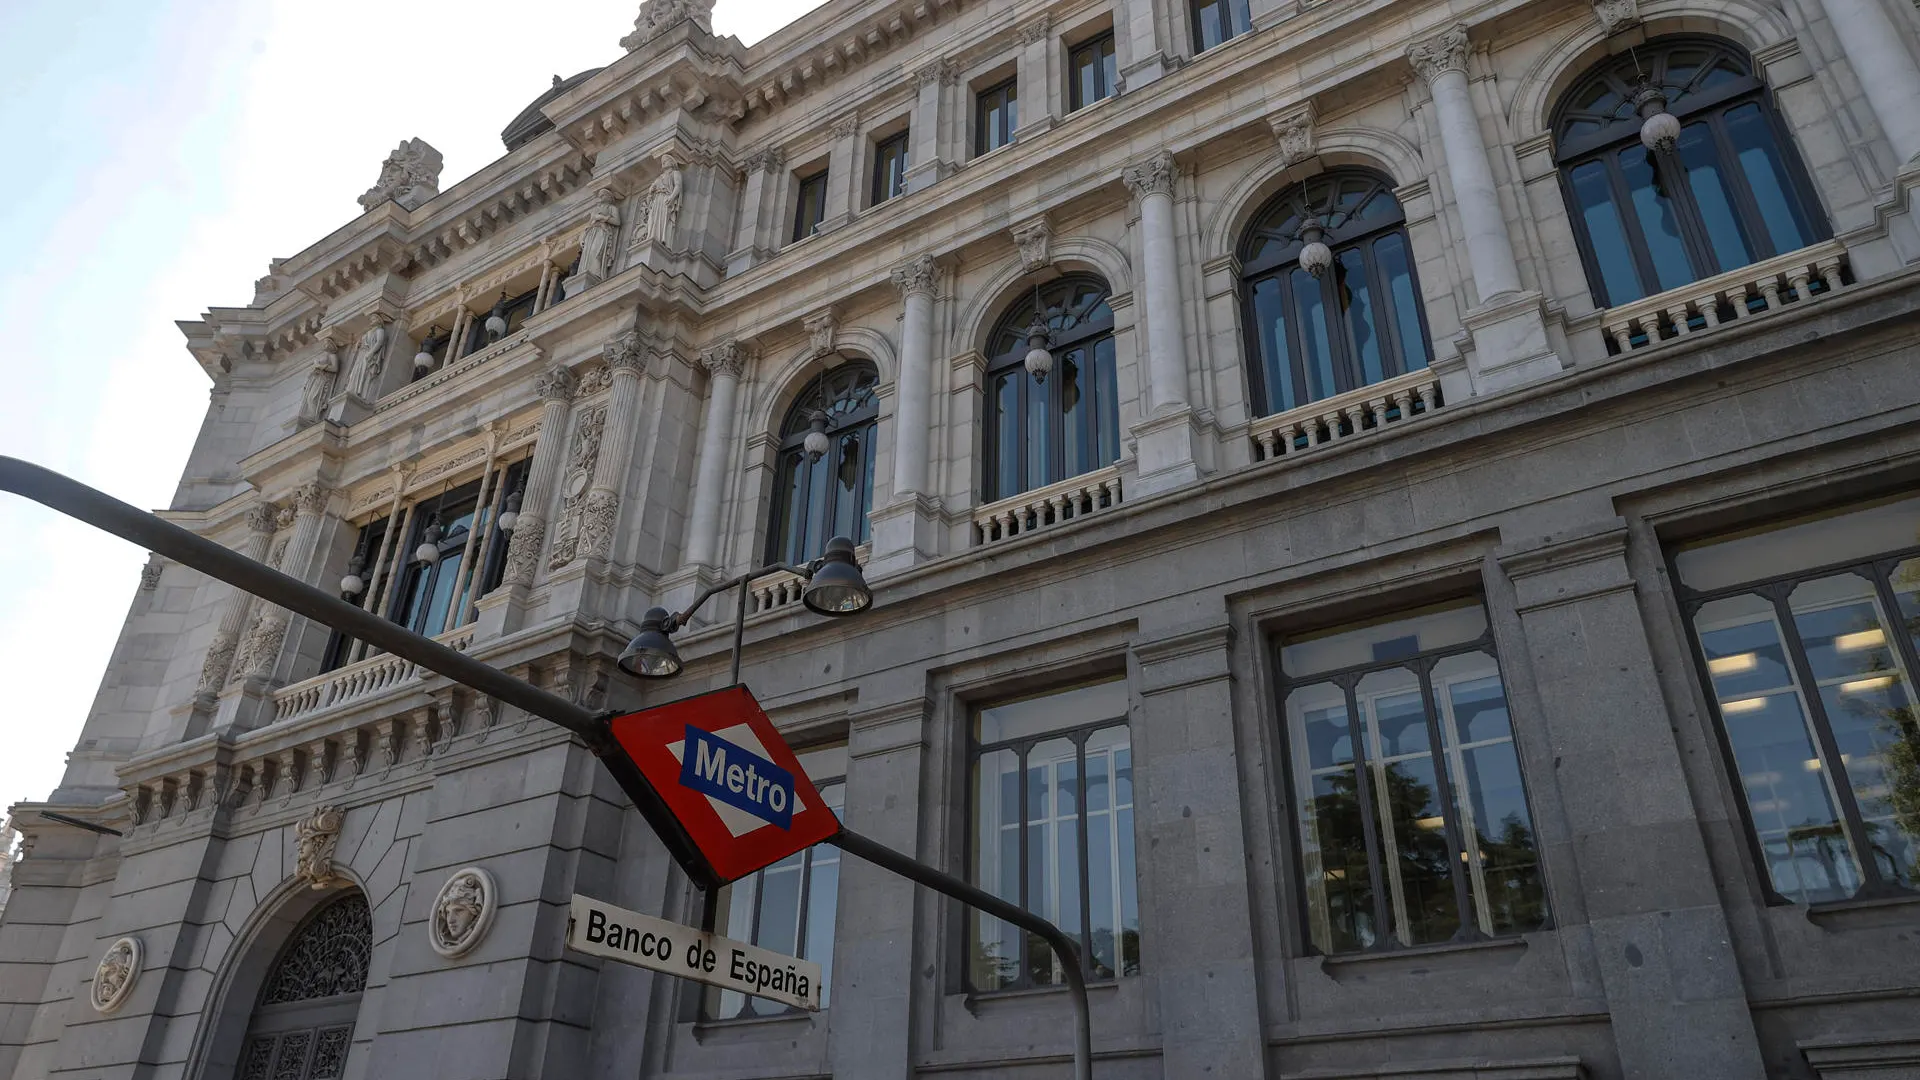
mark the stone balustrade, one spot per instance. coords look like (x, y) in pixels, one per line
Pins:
(1088, 493)
(356, 682)
(1345, 416)
(783, 589)
(1759, 289)
(455, 370)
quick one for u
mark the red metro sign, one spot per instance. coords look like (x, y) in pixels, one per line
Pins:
(730, 780)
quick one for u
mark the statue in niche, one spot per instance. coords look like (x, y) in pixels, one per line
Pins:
(313, 399)
(663, 204)
(370, 359)
(596, 244)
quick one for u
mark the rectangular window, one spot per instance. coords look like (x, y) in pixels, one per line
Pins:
(1806, 635)
(1091, 71)
(812, 208)
(889, 168)
(1217, 21)
(1407, 786)
(996, 112)
(1053, 832)
(790, 906)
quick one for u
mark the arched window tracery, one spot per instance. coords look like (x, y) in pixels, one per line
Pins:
(817, 499)
(1732, 191)
(302, 1025)
(1041, 431)
(1359, 322)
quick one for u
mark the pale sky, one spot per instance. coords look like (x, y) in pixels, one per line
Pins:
(161, 152)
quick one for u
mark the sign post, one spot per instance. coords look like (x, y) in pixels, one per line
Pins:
(601, 929)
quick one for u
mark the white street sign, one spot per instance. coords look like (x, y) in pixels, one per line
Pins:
(644, 941)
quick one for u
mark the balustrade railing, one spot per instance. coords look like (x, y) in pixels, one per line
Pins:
(1764, 287)
(1346, 416)
(780, 590)
(454, 370)
(363, 679)
(1029, 511)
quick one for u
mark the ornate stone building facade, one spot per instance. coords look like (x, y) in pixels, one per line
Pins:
(1394, 524)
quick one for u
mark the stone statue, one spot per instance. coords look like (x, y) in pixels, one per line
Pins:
(410, 176)
(315, 837)
(659, 16)
(313, 399)
(596, 244)
(113, 980)
(462, 912)
(663, 204)
(370, 360)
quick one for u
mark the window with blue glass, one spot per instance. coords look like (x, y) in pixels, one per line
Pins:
(996, 113)
(1216, 21)
(513, 313)
(1731, 192)
(825, 490)
(1092, 72)
(1045, 428)
(1358, 322)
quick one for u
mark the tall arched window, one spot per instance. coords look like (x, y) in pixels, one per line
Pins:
(1359, 322)
(1044, 430)
(303, 1023)
(1731, 192)
(819, 498)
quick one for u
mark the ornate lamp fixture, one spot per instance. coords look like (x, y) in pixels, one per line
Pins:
(510, 509)
(354, 581)
(497, 318)
(1659, 129)
(423, 360)
(428, 552)
(816, 444)
(1039, 360)
(1316, 257)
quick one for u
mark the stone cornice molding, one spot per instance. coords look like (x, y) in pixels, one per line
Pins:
(1443, 52)
(1152, 175)
(1037, 30)
(942, 72)
(917, 276)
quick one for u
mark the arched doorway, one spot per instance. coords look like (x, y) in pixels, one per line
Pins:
(302, 1023)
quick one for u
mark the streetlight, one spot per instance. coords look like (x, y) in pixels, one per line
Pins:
(835, 587)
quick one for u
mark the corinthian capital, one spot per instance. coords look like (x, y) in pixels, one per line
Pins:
(916, 276)
(1152, 176)
(312, 498)
(554, 384)
(1439, 54)
(728, 359)
(625, 354)
(263, 519)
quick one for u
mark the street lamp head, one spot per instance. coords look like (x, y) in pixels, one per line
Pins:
(510, 510)
(429, 550)
(837, 586)
(651, 655)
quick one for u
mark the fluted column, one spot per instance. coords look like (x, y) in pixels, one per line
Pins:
(1151, 182)
(1885, 68)
(233, 611)
(723, 364)
(1442, 61)
(913, 403)
(601, 512)
(260, 653)
(555, 387)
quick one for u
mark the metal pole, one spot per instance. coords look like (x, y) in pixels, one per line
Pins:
(740, 629)
(940, 881)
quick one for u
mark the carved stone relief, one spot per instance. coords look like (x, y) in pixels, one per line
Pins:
(462, 912)
(315, 837)
(582, 454)
(119, 969)
(410, 176)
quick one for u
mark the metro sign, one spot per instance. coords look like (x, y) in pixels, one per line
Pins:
(730, 780)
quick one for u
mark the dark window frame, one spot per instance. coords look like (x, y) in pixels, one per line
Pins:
(1084, 334)
(1105, 66)
(1236, 19)
(1022, 746)
(861, 420)
(1709, 105)
(1277, 263)
(1777, 589)
(889, 183)
(517, 310)
(1002, 97)
(1348, 679)
(810, 195)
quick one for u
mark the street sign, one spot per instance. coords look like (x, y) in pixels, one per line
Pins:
(659, 945)
(729, 779)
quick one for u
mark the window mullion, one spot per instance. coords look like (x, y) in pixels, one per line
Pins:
(1342, 360)
(1629, 224)
(1747, 216)
(1080, 828)
(1383, 937)
(1828, 748)
(1393, 350)
(1449, 808)
(1021, 979)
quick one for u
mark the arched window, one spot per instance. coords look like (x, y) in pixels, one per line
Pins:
(820, 498)
(1042, 431)
(303, 1023)
(1359, 322)
(1731, 191)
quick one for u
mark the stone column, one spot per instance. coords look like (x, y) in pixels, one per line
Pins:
(1151, 182)
(1442, 62)
(626, 360)
(261, 651)
(555, 387)
(233, 612)
(724, 364)
(1658, 933)
(913, 404)
(1884, 67)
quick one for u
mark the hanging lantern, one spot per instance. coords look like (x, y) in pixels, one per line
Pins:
(1039, 360)
(429, 550)
(510, 510)
(1659, 129)
(497, 318)
(816, 443)
(352, 583)
(423, 360)
(1316, 257)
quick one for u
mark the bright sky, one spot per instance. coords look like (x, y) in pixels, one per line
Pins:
(163, 151)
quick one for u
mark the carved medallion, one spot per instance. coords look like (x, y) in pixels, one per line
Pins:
(119, 969)
(462, 912)
(316, 836)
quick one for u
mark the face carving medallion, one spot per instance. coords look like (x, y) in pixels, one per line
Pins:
(113, 980)
(462, 912)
